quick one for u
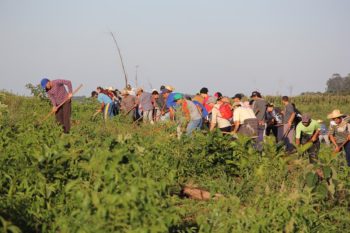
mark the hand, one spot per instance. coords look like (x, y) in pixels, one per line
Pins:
(70, 95)
(337, 149)
(349, 137)
(313, 139)
(54, 109)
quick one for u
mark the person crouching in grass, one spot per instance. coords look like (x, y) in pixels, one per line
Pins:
(307, 131)
(106, 104)
(58, 94)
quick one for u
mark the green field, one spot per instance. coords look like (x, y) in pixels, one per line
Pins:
(118, 177)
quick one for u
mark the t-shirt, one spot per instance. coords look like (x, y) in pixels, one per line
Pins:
(204, 110)
(170, 100)
(194, 112)
(103, 98)
(288, 111)
(259, 108)
(324, 129)
(216, 117)
(242, 113)
(309, 130)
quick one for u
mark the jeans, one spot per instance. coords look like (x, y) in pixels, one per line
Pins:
(288, 137)
(192, 125)
(347, 153)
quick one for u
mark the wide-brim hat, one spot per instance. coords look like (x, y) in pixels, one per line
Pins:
(124, 92)
(335, 114)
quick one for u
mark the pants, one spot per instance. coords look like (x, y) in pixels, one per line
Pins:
(148, 116)
(277, 131)
(324, 138)
(288, 137)
(313, 150)
(347, 152)
(193, 125)
(63, 116)
(108, 110)
(227, 129)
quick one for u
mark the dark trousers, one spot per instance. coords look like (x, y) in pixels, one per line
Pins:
(277, 131)
(313, 150)
(347, 152)
(63, 116)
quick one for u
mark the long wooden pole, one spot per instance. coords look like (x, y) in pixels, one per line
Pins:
(121, 59)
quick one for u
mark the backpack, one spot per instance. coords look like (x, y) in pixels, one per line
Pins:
(297, 117)
(226, 111)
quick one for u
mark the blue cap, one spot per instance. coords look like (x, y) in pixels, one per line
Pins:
(43, 82)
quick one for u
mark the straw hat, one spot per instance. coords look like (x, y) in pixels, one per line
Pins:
(170, 88)
(110, 88)
(124, 92)
(335, 114)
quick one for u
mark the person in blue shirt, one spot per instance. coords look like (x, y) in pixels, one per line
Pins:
(106, 104)
(323, 132)
(168, 95)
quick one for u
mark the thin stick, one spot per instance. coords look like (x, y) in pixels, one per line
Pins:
(125, 114)
(121, 60)
(60, 105)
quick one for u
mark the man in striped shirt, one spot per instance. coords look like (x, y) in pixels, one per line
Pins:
(58, 94)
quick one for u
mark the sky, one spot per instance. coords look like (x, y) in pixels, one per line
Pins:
(273, 46)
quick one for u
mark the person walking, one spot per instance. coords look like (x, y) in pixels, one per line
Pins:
(339, 133)
(58, 94)
(288, 119)
(259, 108)
(307, 131)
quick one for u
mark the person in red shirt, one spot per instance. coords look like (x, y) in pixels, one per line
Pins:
(58, 94)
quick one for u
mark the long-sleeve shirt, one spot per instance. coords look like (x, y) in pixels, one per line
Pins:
(58, 92)
(128, 102)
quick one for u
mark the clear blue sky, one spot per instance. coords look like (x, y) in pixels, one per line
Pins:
(228, 46)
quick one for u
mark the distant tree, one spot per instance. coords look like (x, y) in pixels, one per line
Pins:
(37, 91)
(337, 84)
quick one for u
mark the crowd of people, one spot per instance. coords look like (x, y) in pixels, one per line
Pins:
(252, 117)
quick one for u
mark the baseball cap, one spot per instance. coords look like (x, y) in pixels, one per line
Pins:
(218, 95)
(255, 93)
(177, 96)
(43, 82)
(204, 90)
(238, 96)
(165, 91)
(305, 118)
